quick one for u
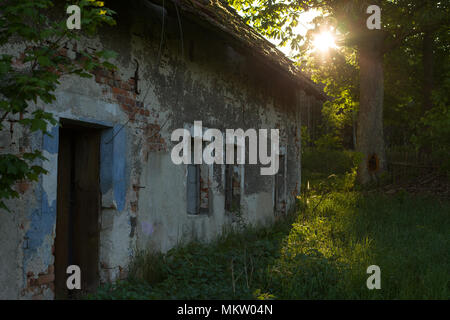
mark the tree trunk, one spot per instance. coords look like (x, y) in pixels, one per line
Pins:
(427, 81)
(427, 63)
(370, 140)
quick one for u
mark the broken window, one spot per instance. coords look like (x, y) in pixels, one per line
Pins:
(233, 186)
(197, 186)
(193, 188)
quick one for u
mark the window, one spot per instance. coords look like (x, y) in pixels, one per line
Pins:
(233, 186)
(193, 188)
(197, 187)
(280, 186)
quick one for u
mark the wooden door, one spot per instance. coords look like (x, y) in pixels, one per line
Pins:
(77, 226)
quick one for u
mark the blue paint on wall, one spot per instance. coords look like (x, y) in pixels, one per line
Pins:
(50, 142)
(41, 225)
(113, 167)
(119, 166)
(43, 218)
(106, 160)
(113, 175)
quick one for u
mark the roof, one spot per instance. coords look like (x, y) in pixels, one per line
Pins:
(224, 19)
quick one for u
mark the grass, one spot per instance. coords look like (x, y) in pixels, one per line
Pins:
(321, 251)
(321, 254)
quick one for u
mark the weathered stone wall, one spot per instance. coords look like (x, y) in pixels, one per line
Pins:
(143, 192)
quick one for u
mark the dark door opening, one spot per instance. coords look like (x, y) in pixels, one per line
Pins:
(77, 222)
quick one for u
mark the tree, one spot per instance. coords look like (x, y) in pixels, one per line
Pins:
(30, 77)
(277, 19)
(415, 86)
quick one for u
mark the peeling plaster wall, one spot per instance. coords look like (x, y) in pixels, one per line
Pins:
(143, 192)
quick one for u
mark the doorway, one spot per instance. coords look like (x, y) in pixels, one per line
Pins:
(78, 207)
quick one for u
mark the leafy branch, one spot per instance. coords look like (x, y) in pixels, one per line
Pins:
(36, 34)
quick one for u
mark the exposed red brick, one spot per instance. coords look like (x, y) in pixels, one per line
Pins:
(123, 92)
(126, 100)
(120, 91)
(23, 186)
(102, 73)
(110, 82)
(125, 86)
(46, 279)
(99, 78)
(32, 282)
(115, 76)
(126, 108)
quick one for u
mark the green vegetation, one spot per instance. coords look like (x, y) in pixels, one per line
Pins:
(321, 251)
(388, 87)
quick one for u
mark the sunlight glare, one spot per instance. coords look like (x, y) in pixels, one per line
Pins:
(324, 41)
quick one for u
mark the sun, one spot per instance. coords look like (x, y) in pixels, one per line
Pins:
(324, 41)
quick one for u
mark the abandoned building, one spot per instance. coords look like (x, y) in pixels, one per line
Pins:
(111, 187)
